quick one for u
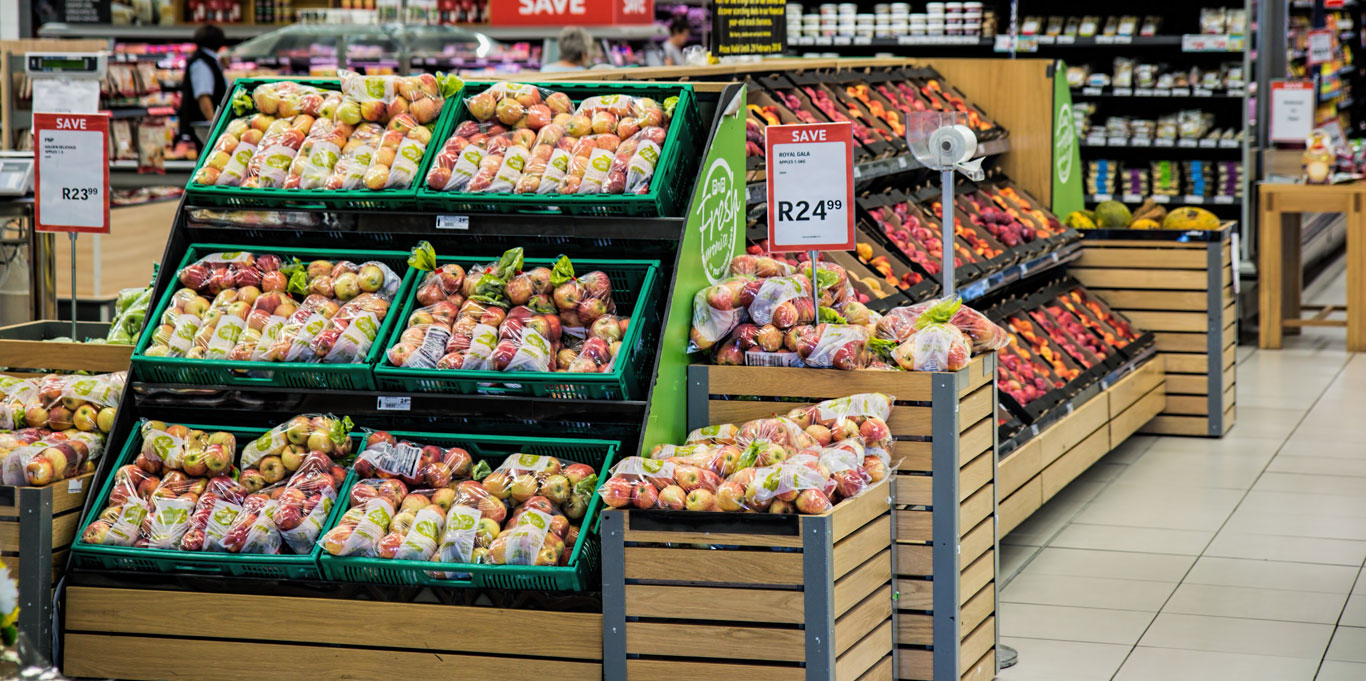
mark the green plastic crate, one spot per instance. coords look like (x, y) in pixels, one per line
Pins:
(669, 188)
(355, 199)
(584, 562)
(310, 376)
(125, 558)
(635, 287)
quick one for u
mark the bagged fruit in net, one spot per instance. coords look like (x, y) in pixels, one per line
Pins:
(595, 175)
(557, 168)
(464, 531)
(936, 345)
(169, 520)
(595, 356)
(640, 169)
(514, 104)
(293, 343)
(283, 98)
(213, 514)
(349, 171)
(784, 302)
(833, 346)
(862, 417)
(51, 459)
(227, 161)
(510, 172)
(307, 498)
(529, 542)
(760, 266)
(636, 481)
(16, 395)
(622, 115)
(898, 324)
(522, 476)
(794, 487)
(452, 171)
(716, 311)
(720, 434)
(778, 430)
(360, 530)
(536, 163)
(253, 530)
(317, 432)
(485, 173)
(844, 461)
(122, 527)
(321, 152)
(420, 347)
(352, 331)
(269, 166)
(215, 272)
(268, 314)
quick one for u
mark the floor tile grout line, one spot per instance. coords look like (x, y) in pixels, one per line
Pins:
(1230, 515)
(1188, 614)
(1338, 624)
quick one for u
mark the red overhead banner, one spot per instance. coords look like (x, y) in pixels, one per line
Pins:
(587, 13)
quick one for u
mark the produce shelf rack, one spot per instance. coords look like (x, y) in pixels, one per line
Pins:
(1180, 286)
(104, 604)
(24, 348)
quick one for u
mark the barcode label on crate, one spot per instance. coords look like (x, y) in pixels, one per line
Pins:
(74, 486)
(394, 403)
(452, 222)
(757, 358)
(1160, 142)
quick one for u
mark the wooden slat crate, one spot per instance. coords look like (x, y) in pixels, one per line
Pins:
(136, 634)
(23, 349)
(945, 428)
(1183, 292)
(1045, 464)
(37, 526)
(776, 597)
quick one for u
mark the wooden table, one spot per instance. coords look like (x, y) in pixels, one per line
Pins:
(1279, 270)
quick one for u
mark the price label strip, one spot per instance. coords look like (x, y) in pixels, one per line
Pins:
(810, 187)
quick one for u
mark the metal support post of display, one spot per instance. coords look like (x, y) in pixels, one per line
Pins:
(699, 393)
(947, 232)
(34, 576)
(614, 597)
(1214, 343)
(818, 564)
(73, 286)
(945, 527)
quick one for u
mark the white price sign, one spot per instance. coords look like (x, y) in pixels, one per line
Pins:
(810, 187)
(1292, 110)
(72, 172)
(1321, 47)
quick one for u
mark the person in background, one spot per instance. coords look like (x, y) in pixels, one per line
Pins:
(576, 51)
(204, 85)
(680, 32)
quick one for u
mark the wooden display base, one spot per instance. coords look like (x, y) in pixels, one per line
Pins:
(945, 428)
(37, 526)
(23, 348)
(770, 593)
(150, 634)
(1182, 291)
(1043, 466)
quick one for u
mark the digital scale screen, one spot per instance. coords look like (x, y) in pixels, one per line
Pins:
(56, 64)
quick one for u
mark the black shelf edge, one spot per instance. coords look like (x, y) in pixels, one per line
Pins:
(900, 41)
(1089, 91)
(1000, 279)
(1093, 141)
(757, 192)
(1183, 199)
(1183, 236)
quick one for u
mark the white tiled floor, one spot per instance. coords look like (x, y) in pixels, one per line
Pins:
(1237, 559)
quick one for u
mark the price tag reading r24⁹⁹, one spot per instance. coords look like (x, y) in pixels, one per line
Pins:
(810, 187)
(71, 154)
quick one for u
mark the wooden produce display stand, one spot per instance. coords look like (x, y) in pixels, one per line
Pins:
(37, 526)
(24, 348)
(945, 496)
(1179, 285)
(773, 592)
(1089, 427)
(125, 633)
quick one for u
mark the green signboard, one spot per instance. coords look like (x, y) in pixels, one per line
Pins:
(1067, 169)
(715, 234)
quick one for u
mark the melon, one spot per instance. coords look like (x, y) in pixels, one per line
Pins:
(1189, 217)
(1112, 215)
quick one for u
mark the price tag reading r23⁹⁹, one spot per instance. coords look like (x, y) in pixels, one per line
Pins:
(71, 155)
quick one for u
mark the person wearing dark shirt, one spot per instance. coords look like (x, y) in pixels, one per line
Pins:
(204, 85)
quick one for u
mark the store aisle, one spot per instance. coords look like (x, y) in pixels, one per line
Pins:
(1178, 559)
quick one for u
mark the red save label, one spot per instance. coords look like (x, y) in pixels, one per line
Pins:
(570, 12)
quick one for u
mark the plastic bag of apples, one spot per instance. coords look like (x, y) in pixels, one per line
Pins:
(802, 462)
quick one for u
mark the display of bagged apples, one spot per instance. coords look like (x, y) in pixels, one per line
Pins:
(764, 315)
(35, 457)
(421, 503)
(265, 309)
(497, 317)
(938, 335)
(527, 140)
(803, 462)
(183, 491)
(374, 133)
(62, 402)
